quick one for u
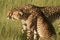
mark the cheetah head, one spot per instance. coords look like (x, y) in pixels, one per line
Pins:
(16, 14)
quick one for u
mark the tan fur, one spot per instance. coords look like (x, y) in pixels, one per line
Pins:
(34, 20)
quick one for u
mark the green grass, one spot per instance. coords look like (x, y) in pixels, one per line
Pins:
(11, 30)
(56, 25)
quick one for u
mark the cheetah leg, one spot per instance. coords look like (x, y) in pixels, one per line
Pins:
(34, 33)
(36, 36)
(24, 26)
(29, 32)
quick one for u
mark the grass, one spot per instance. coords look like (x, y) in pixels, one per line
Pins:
(11, 30)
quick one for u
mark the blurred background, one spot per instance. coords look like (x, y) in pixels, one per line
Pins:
(11, 30)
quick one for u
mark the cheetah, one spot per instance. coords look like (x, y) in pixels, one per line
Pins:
(34, 19)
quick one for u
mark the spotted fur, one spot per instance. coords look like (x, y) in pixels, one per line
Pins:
(52, 13)
(35, 18)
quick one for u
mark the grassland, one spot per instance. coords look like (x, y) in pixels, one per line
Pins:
(11, 30)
